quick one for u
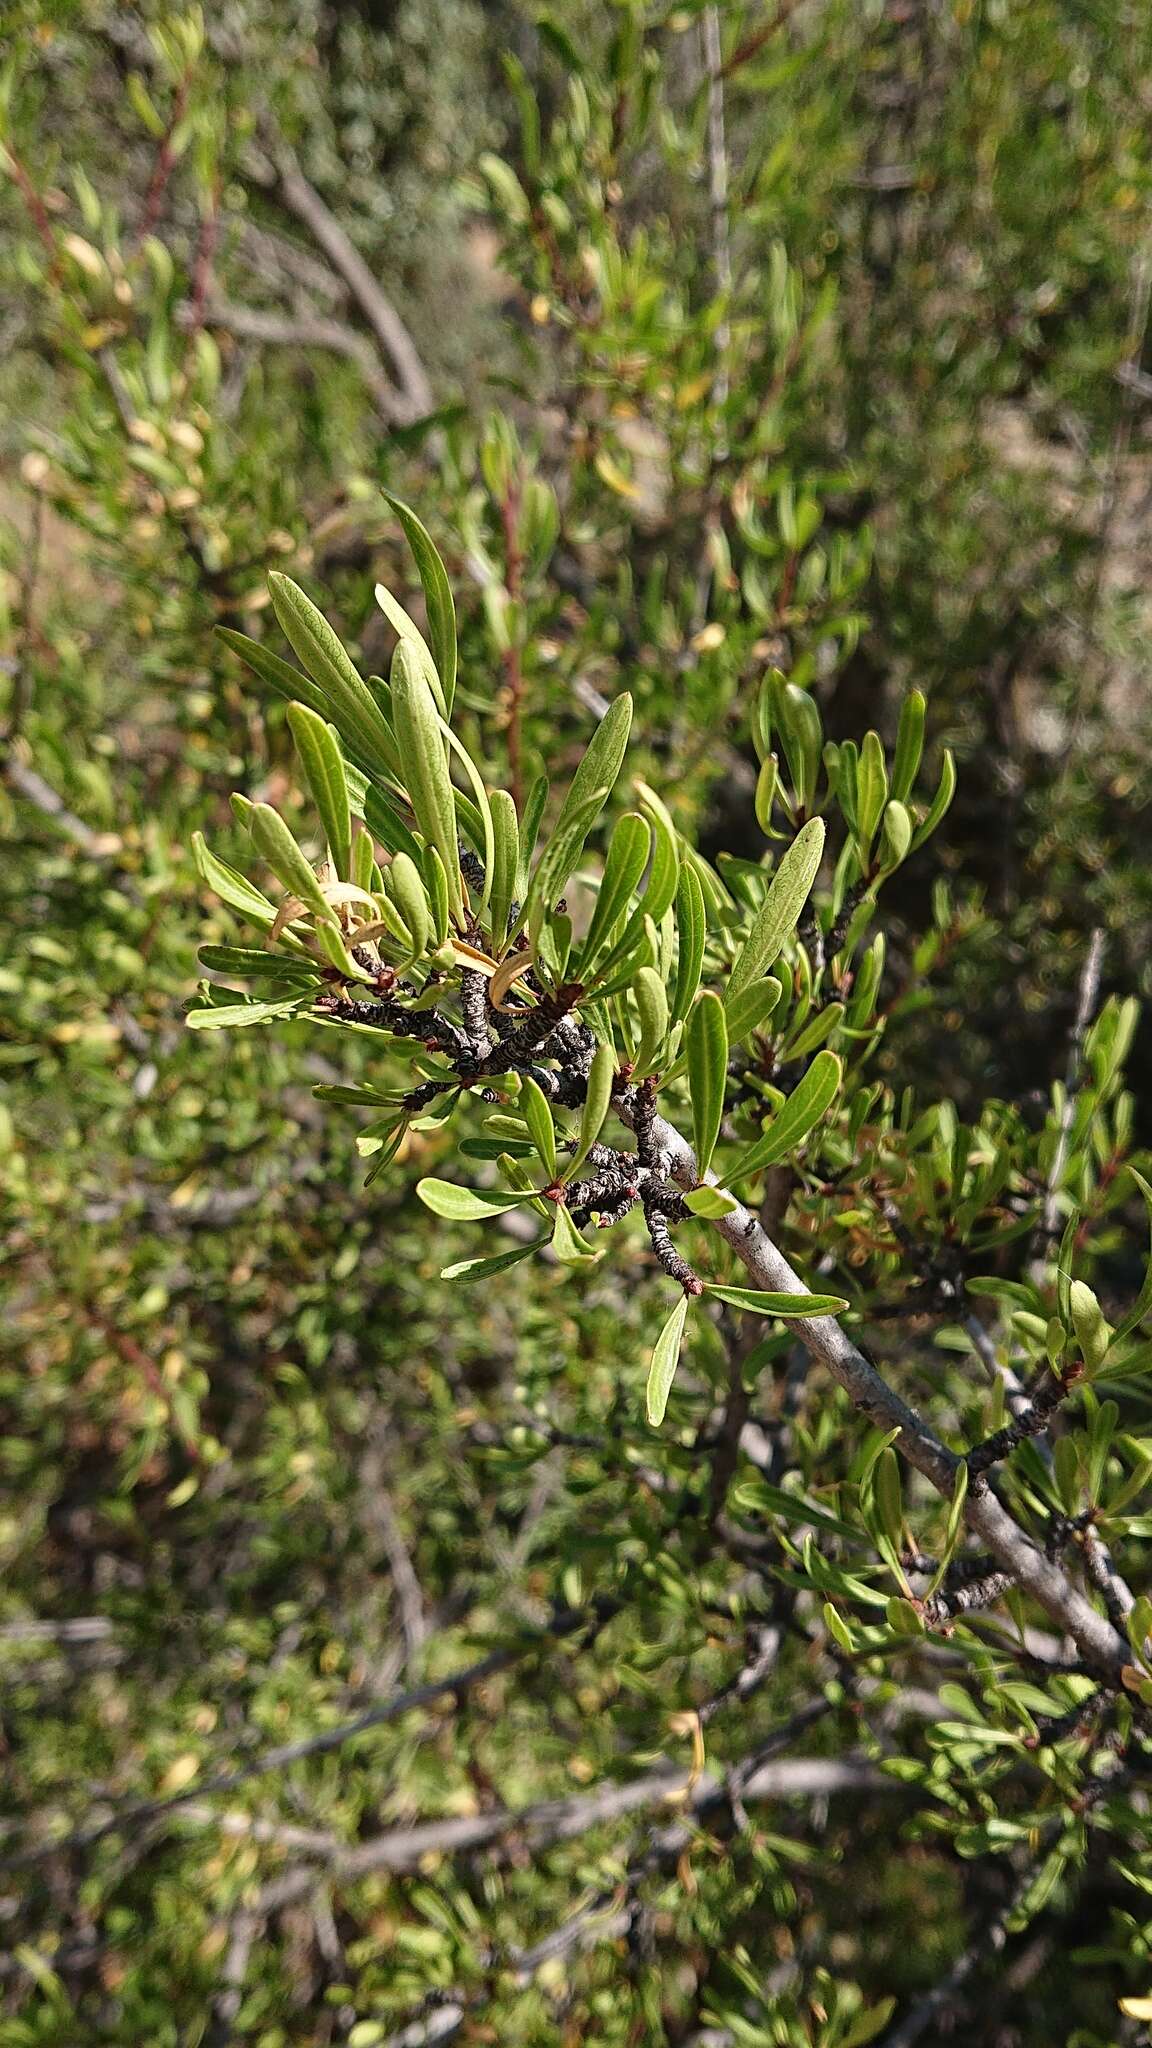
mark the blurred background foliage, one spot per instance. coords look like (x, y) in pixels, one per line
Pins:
(702, 338)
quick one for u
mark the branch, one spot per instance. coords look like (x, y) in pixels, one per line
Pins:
(313, 330)
(562, 1820)
(400, 351)
(1098, 1641)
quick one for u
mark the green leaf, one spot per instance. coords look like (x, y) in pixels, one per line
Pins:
(288, 682)
(597, 1103)
(323, 765)
(691, 929)
(786, 1306)
(665, 1358)
(945, 792)
(406, 887)
(595, 778)
(529, 828)
(419, 737)
(537, 1112)
(888, 1496)
(895, 837)
(1092, 1331)
(351, 705)
(752, 1008)
(556, 863)
(232, 888)
(780, 912)
(437, 596)
(231, 1016)
(385, 824)
(710, 1203)
(1143, 1301)
(466, 1205)
(570, 1248)
(871, 792)
(256, 965)
(627, 859)
(274, 843)
(436, 883)
(505, 860)
(664, 874)
(805, 1106)
(652, 1010)
(707, 1049)
(480, 1269)
(909, 745)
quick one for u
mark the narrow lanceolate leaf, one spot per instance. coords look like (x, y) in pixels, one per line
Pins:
(758, 1303)
(437, 596)
(556, 864)
(665, 1358)
(230, 1016)
(436, 883)
(805, 1106)
(274, 843)
(479, 1269)
(707, 1047)
(627, 859)
(351, 705)
(871, 789)
(691, 929)
(323, 766)
(420, 740)
(597, 1103)
(407, 890)
(288, 682)
(254, 965)
(505, 858)
(780, 911)
(909, 745)
(385, 824)
(466, 1205)
(408, 630)
(232, 888)
(534, 805)
(537, 1113)
(595, 778)
(652, 1010)
(946, 790)
(664, 873)
(752, 1007)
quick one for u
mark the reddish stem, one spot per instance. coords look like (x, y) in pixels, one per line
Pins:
(165, 162)
(35, 205)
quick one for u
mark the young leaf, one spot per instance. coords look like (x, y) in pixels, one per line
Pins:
(707, 1048)
(436, 883)
(254, 965)
(946, 790)
(710, 1203)
(664, 873)
(665, 1358)
(420, 740)
(466, 1205)
(780, 912)
(759, 1303)
(556, 864)
(274, 843)
(529, 828)
(323, 765)
(288, 682)
(437, 596)
(791, 1125)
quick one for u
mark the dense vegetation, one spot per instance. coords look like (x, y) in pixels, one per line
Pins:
(380, 1663)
